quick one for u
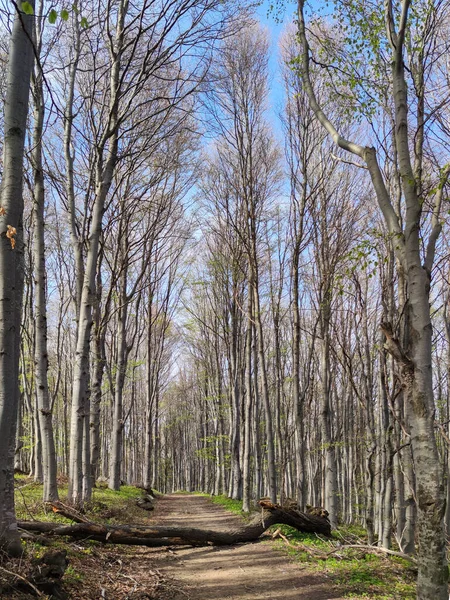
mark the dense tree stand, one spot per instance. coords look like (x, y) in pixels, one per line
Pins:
(141, 535)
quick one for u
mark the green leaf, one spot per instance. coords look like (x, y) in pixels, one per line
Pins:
(64, 14)
(53, 15)
(84, 23)
(27, 8)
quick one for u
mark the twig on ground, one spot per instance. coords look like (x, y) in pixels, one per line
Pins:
(375, 549)
(17, 488)
(323, 556)
(33, 587)
(302, 547)
(69, 512)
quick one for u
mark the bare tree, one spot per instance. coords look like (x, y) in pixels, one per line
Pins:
(248, 153)
(44, 403)
(20, 63)
(413, 354)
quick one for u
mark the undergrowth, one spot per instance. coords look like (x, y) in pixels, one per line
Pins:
(88, 559)
(357, 573)
(234, 506)
(106, 504)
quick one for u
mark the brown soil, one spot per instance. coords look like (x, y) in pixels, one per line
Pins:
(253, 571)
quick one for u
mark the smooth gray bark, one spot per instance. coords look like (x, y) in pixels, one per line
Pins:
(20, 64)
(236, 476)
(98, 369)
(44, 404)
(246, 472)
(330, 475)
(105, 162)
(122, 357)
(272, 476)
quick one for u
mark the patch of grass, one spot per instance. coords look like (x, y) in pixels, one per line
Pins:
(358, 574)
(29, 505)
(72, 575)
(351, 531)
(234, 506)
(106, 504)
(126, 492)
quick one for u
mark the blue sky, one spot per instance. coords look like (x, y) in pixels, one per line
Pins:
(275, 26)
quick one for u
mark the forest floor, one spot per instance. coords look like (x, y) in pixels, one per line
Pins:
(250, 571)
(269, 569)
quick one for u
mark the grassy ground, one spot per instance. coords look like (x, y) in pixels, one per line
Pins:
(358, 574)
(106, 504)
(93, 566)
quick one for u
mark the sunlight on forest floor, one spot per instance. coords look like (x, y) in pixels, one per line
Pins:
(359, 575)
(94, 568)
(356, 574)
(107, 505)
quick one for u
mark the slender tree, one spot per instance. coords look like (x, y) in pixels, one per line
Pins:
(413, 357)
(20, 64)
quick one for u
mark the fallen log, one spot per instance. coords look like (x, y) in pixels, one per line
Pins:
(144, 535)
(147, 502)
(67, 511)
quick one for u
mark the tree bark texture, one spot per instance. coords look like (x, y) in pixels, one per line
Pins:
(44, 404)
(185, 536)
(413, 358)
(20, 64)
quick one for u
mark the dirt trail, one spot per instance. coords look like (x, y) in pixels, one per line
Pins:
(244, 572)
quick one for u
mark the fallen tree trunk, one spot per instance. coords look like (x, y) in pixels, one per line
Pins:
(143, 535)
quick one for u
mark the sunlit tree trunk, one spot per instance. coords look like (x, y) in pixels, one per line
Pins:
(20, 63)
(413, 361)
(44, 404)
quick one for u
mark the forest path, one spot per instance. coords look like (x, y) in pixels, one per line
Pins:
(252, 571)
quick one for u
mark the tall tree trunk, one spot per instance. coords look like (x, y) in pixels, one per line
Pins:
(271, 466)
(298, 398)
(104, 171)
(150, 394)
(330, 492)
(246, 471)
(20, 64)
(99, 361)
(236, 474)
(121, 366)
(44, 405)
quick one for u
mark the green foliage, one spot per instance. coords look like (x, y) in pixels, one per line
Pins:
(27, 8)
(234, 506)
(72, 576)
(353, 44)
(29, 505)
(209, 451)
(64, 15)
(52, 16)
(357, 573)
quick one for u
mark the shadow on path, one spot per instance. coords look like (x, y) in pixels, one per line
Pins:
(244, 572)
